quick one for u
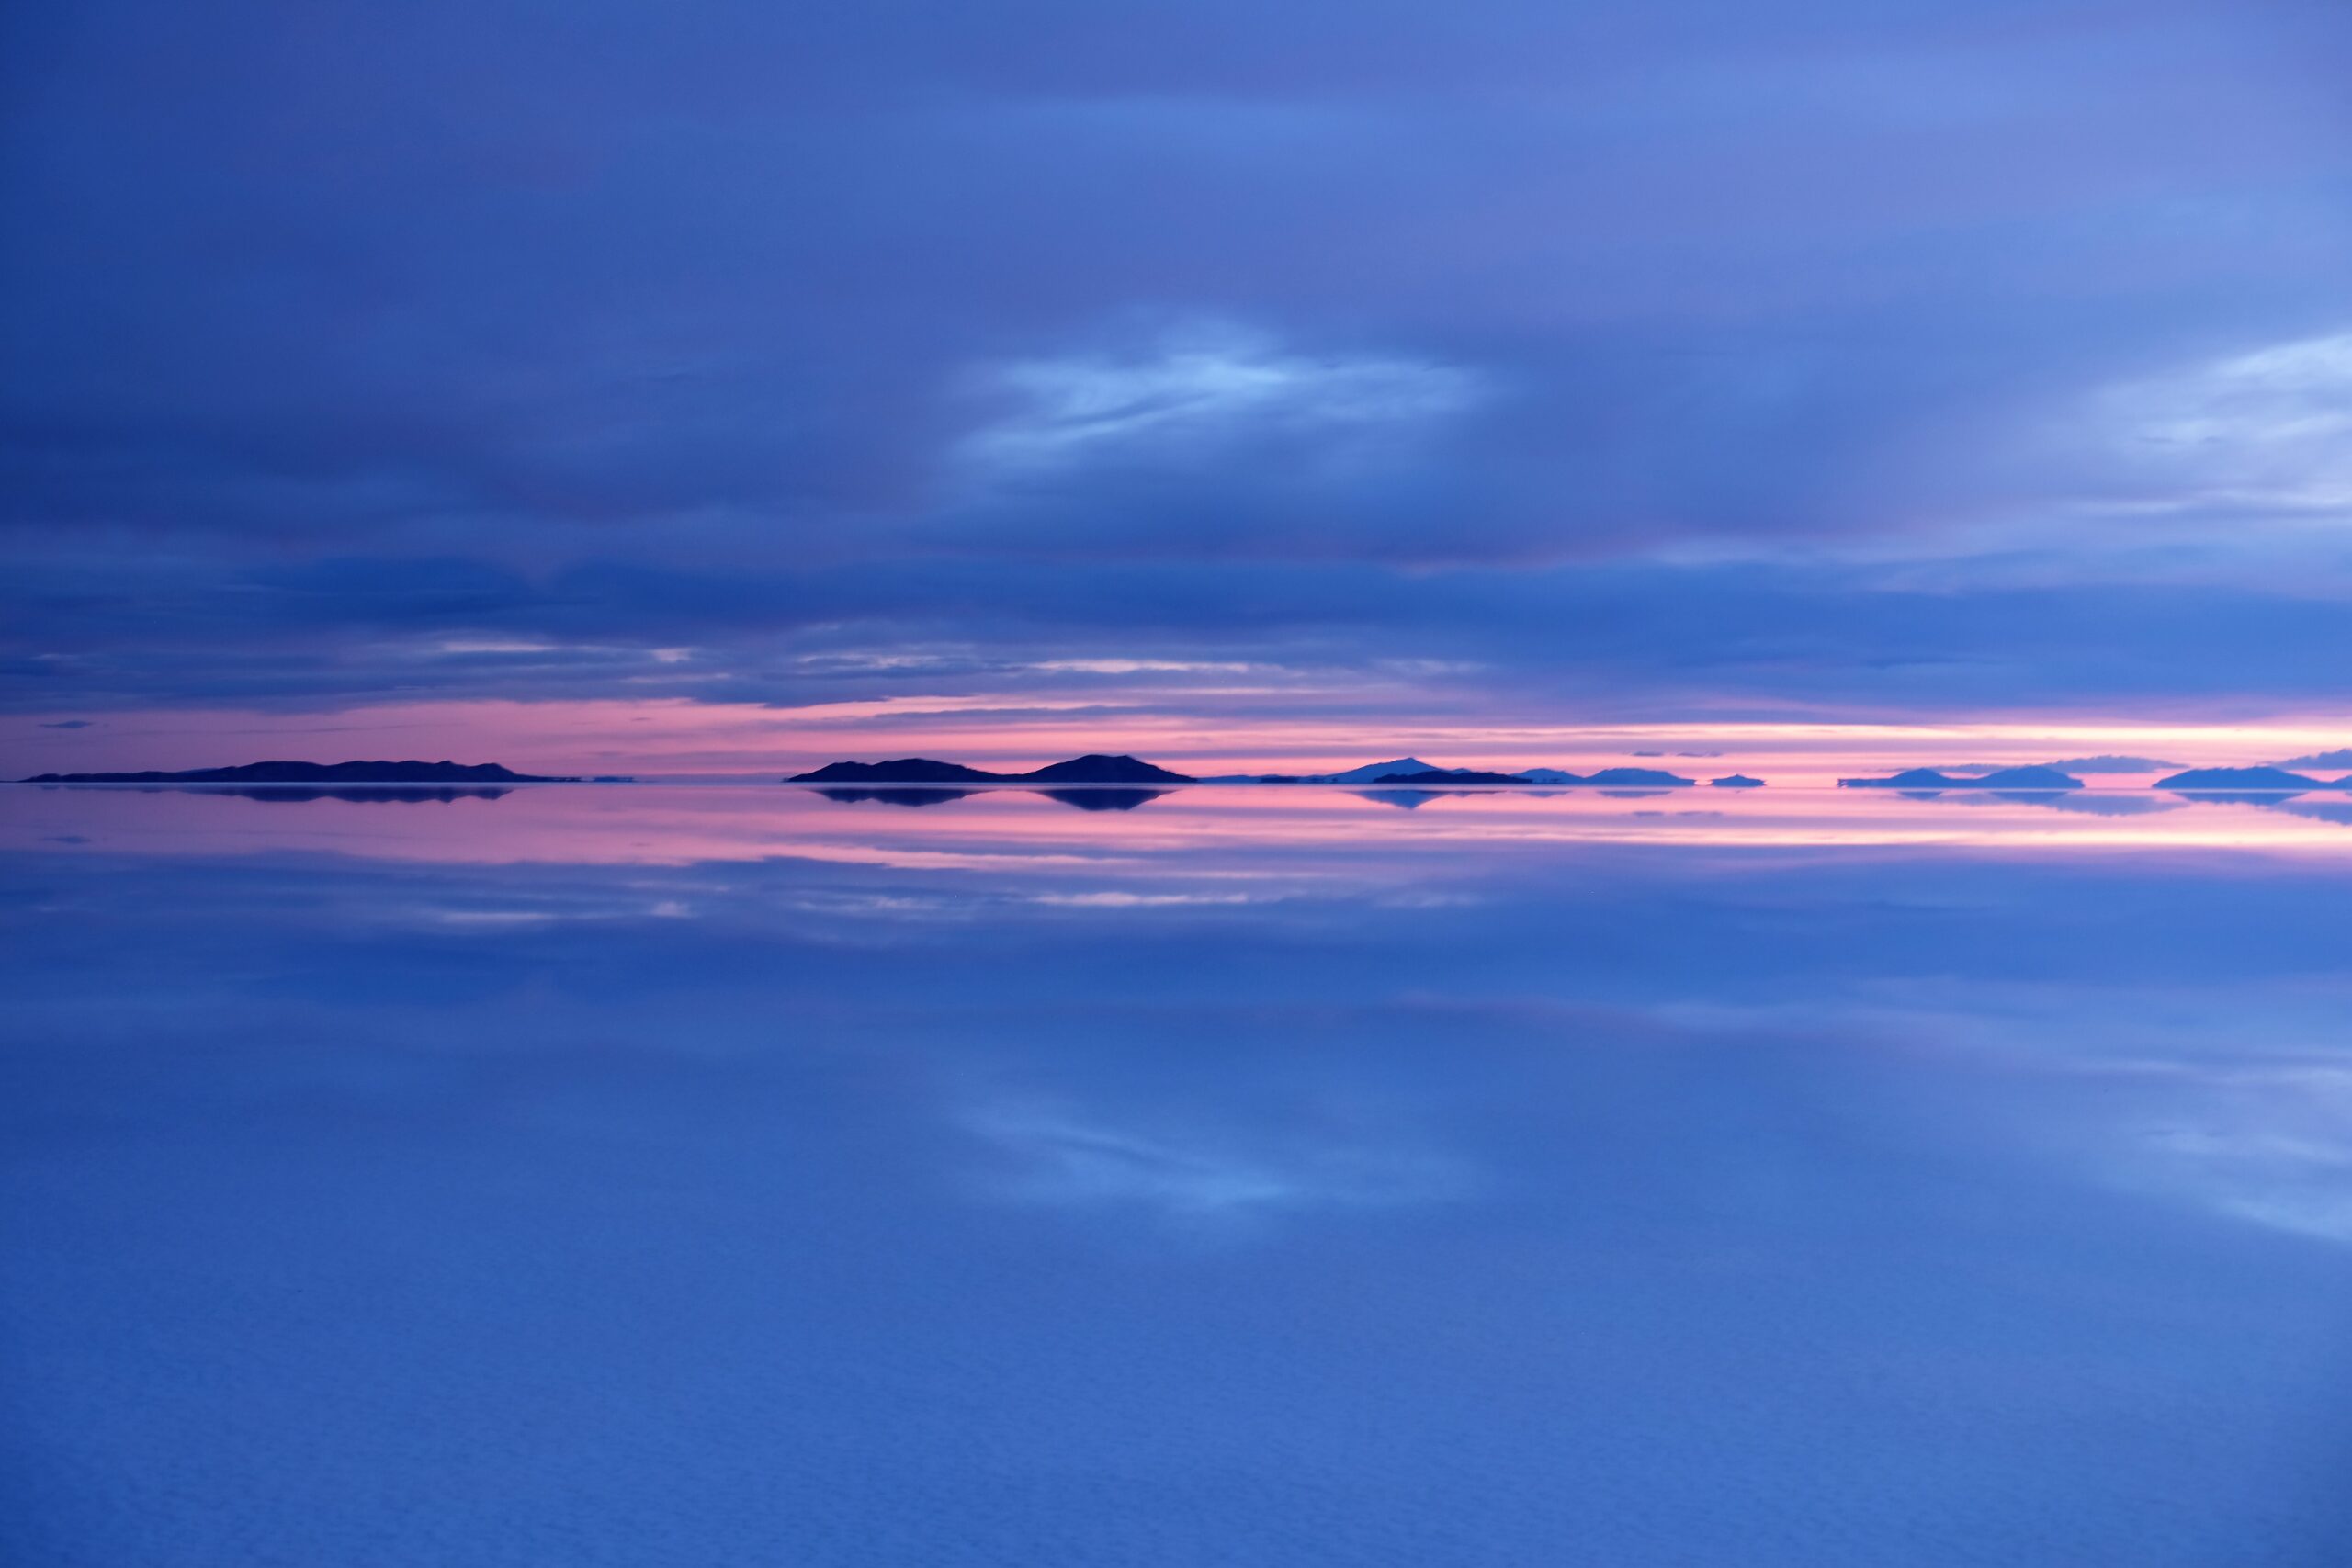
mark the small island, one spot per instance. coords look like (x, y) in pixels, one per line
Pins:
(2005, 779)
(2257, 781)
(1095, 768)
(283, 773)
(1100, 768)
(1453, 776)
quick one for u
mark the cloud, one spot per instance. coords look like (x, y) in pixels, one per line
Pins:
(1198, 389)
(2339, 758)
(68, 723)
(1548, 343)
(2265, 430)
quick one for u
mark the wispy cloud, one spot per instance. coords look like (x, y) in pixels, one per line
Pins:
(1197, 387)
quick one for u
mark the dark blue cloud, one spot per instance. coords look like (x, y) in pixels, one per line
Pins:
(1760, 345)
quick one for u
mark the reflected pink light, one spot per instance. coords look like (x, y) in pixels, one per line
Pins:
(1011, 829)
(678, 736)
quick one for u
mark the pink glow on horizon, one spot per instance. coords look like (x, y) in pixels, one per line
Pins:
(1239, 836)
(679, 737)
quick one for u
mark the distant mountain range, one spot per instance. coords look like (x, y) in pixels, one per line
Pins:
(1104, 768)
(1413, 770)
(1092, 769)
(2261, 781)
(409, 772)
(1109, 798)
(1100, 769)
(1999, 779)
(1452, 776)
(2196, 781)
(2108, 763)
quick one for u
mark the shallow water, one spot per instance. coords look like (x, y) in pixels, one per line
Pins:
(650, 1176)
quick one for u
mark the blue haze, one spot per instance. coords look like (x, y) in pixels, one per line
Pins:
(1171, 1203)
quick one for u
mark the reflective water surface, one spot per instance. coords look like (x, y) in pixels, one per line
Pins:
(700, 1174)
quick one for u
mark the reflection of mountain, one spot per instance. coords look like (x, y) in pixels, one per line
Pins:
(1083, 799)
(2090, 803)
(1092, 769)
(909, 797)
(2336, 811)
(1403, 800)
(1102, 799)
(377, 795)
(1735, 781)
(318, 773)
(394, 795)
(2317, 809)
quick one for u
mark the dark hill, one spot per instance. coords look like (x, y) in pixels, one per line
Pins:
(1737, 781)
(1637, 778)
(1092, 769)
(1096, 768)
(2257, 779)
(902, 770)
(1440, 776)
(2027, 779)
(319, 774)
(1909, 778)
(2003, 778)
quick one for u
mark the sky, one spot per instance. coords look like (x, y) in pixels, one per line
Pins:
(1272, 383)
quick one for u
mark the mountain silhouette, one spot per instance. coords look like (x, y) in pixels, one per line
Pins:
(1618, 778)
(1929, 780)
(1369, 772)
(317, 774)
(1095, 768)
(1451, 776)
(1736, 780)
(901, 770)
(2107, 762)
(2206, 781)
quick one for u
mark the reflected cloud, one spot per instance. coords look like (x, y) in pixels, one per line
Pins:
(2272, 1145)
(1064, 1157)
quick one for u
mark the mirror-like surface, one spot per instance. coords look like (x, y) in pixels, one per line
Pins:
(698, 1175)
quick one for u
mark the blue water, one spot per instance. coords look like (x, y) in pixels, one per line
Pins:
(414, 1183)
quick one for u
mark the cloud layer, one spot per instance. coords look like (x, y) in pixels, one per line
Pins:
(1919, 358)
